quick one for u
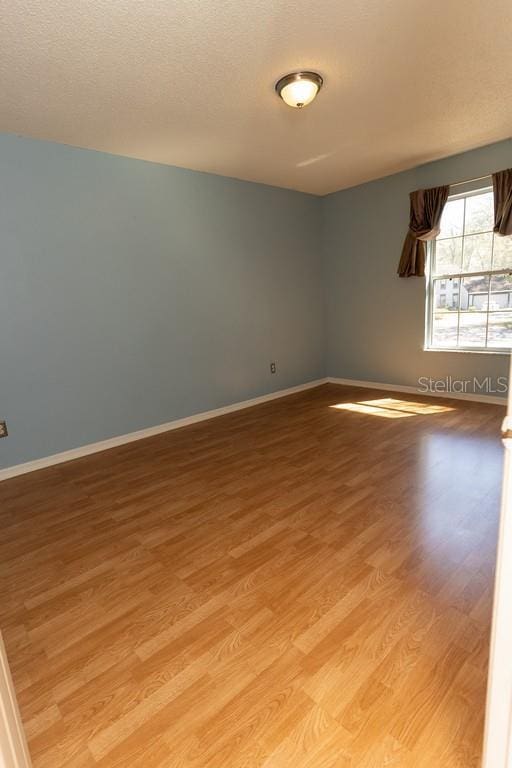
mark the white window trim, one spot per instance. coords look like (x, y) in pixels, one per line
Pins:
(429, 300)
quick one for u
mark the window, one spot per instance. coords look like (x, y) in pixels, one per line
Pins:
(469, 286)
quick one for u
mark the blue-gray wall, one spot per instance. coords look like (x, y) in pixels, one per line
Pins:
(375, 320)
(132, 294)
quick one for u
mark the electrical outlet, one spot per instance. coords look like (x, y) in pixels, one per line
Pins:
(3, 429)
(273, 368)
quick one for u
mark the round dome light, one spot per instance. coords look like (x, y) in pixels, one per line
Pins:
(299, 88)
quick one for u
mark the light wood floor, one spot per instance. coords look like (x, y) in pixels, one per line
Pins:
(289, 586)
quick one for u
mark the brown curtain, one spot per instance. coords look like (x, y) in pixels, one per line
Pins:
(502, 187)
(426, 211)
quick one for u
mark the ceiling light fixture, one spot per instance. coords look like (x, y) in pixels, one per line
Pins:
(299, 88)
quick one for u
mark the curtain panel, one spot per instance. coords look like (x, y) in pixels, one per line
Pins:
(502, 188)
(424, 223)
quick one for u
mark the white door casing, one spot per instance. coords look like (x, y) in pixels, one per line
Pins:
(13, 744)
(498, 721)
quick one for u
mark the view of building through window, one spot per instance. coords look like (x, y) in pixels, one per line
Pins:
(470, 282)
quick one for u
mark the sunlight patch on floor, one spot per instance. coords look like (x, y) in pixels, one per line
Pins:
(390, 408)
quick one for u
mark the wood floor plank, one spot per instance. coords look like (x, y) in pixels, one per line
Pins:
(296, 584)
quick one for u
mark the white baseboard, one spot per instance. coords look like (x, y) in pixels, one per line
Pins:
(494, 399)
(112, 442)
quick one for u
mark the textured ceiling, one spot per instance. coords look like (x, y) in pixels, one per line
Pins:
(190, 82)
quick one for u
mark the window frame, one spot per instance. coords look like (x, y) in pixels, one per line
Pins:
(428, 346)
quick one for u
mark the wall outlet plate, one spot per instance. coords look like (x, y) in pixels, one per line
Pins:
(3, 429)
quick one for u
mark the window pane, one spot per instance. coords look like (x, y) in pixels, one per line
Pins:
(500, 329)
(452, 220)
(446, 294)
(448, 256)
(477, 251)
(474, 293)
(472, 329)
(479, 213)
(501, 292)
(502, 255)
(445, 320)
(444, 328)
